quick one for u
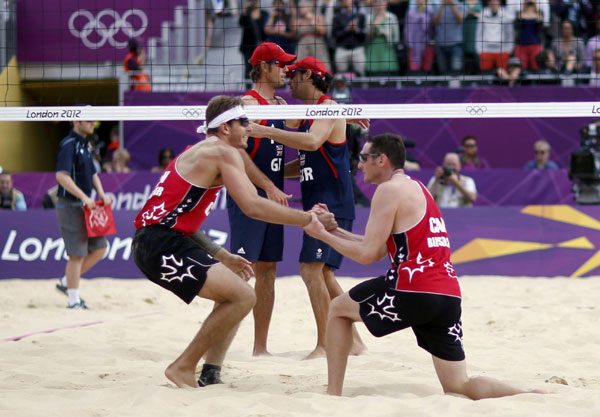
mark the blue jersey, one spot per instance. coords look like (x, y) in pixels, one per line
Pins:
(266, 153)
(75, 158)
(325, 176)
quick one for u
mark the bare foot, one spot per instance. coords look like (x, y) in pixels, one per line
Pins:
(358, 348)
(180, 377)
(319, 352)
(538, 391)
(261, 352)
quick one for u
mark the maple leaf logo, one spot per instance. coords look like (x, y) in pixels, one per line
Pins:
(170, 266)
(156, 213)
(456, 331)
(424, 264)
(385, 311)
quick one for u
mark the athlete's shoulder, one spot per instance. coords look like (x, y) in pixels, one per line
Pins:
(249, 100)
(280, 100)
(329, 101)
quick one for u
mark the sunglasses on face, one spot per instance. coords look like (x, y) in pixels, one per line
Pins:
(276, 62)
(362, 157)
(539, 152)
(470, 145)
(244, 121)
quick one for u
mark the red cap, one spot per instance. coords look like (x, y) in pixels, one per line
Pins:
(269, 51)
(309, 63)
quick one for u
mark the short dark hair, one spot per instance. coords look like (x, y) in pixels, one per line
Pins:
(466, 138)
(163, 152)
(218, 105)
(322, 83)
(390, 145)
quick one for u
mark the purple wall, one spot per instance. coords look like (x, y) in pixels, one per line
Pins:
(558, 241)
(505, 143)
(44, 34)
(496, 187)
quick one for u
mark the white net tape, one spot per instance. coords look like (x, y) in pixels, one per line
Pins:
(351, 111)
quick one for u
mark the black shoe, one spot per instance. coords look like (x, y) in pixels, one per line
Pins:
(63, 289)
(211, 374)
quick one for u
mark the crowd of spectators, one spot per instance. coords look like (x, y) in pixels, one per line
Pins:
(505, 38)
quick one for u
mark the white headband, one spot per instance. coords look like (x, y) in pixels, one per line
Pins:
(231, 114)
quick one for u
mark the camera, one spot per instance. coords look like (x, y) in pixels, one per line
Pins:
(447, 171)
(584, 166)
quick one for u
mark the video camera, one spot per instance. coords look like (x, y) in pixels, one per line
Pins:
(584, 166)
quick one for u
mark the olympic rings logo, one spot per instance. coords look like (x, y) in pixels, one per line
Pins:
(191, 113)
(476, 110)
(104, 32)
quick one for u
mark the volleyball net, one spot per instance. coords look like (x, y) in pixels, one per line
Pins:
(71, 51)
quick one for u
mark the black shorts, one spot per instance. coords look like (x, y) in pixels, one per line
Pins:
(171, 260)
(434, 318)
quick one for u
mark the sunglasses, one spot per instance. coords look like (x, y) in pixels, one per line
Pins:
(539, 152)
(244, 121)
(470, 145)
(276, 62)
(362, 157)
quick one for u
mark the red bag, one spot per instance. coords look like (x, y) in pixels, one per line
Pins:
(99, 221)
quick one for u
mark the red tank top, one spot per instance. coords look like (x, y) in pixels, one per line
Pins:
(420, 256)
(176, 203)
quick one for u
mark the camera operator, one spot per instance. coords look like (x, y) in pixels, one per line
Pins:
(449, 188)
(584, 165)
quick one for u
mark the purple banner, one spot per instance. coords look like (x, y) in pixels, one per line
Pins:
(86, 31)
(527, 241)
(496, 187)
(505, 143)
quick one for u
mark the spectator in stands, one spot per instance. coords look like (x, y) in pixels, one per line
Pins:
(252, 20)
(448, 21)
(280, 28)
(595, 69)
(593, 43)
(134, 64)
(400, 9)
(529, 28)
(542, 161)
(419, 34)
(165, 156)
(578, 12)
(569, 50)
(547, 62)
(512, 73)
(350, 34)
(340, 90)
(384, 35)
(470, 39)
(50, 198)
(113, 144)
(10, 197)
(449, 187)
(469, 157)
(311, 31)
(119, 162)
(495, 39)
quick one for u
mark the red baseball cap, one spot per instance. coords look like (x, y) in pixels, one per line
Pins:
(269, 51)
(309, 63)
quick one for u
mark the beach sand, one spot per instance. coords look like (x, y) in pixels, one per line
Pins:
(109, 361)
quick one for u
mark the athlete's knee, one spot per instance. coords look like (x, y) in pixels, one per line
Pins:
(247, 298)
(310, 271)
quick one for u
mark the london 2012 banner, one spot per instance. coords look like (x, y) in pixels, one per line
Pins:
(534, 241)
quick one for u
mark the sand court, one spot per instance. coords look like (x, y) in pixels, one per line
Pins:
(109, 361)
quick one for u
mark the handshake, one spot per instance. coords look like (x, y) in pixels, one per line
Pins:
(322, 221)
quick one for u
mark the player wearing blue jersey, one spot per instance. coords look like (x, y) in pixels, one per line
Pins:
(323, 165)
(255, 240)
